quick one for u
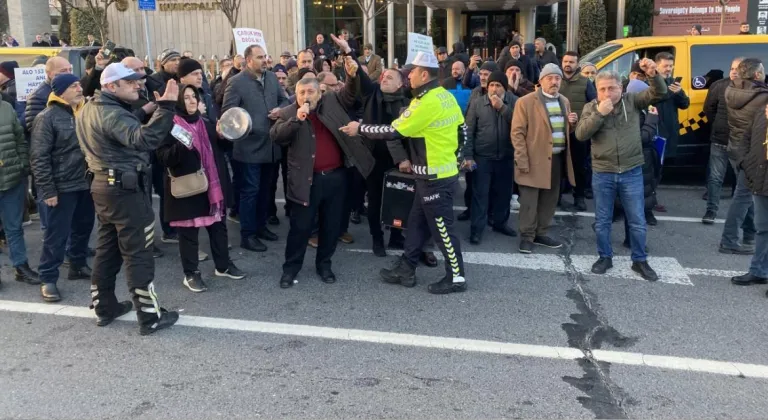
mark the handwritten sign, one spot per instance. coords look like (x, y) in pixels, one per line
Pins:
(245, 37)
(416, 43)
(27, 80)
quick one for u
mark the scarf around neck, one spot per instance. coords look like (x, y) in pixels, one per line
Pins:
(202, 143)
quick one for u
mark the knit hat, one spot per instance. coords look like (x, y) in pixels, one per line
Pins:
(167, 55)
(490, 66)
(513, 63)
(6, 69)
(499, 77)
(187, 66)
(62, 82)
(303, 72)
(550, 69)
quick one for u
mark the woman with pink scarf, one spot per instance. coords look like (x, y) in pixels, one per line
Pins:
(203, 149)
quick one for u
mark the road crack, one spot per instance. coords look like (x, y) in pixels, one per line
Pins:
(590, 330)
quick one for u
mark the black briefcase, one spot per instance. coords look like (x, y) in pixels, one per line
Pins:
(397, 198)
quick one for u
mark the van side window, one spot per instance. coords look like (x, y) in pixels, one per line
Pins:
(623, 64)
(713, 62)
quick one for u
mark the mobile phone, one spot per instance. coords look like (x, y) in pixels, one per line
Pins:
(108, 49)
(476, 51)
(678, 79)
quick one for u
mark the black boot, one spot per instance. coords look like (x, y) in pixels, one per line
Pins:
(107, 308)
(151, 316)
(378, 247)
(25, 274)
(401, 273)
(50, 292)
(645, 270)
(448, 284)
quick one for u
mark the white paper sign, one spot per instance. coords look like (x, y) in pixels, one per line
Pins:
(245, 37)
(416, 43)
(27, 80)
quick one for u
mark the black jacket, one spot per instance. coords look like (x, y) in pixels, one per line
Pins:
(180, 161)
(158, 80)
(258, 98)
(745, 99)
(37, 101)
(382, 108)
(548, 57)
(755, 162)
(298, 137)
(717, 112)
(488, 129)
(528, 66)
(58, 164)
(669, 120)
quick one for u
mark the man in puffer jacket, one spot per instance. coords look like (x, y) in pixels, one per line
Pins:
(58, 166)
(745, 97)
(14, 153)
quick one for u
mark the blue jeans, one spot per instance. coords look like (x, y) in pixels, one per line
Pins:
(12, 204)
(72, 219)
(741, 213)
(491, 189)
(718, 166)
(629, 187)
(759, 265)
(255, 190)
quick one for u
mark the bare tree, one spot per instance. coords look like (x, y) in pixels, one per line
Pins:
(97, 10)
(231, 9)
(723, 4)
(371, 9)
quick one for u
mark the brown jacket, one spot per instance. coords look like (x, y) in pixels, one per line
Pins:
(374, 66)
(532, 139)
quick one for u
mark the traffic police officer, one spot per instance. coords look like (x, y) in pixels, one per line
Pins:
(117, 149)
(434, 124)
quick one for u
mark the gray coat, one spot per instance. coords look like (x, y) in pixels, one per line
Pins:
(488, 129)
(258, 97)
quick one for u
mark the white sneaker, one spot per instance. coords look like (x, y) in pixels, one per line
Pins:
(514, 204)
(201, 256)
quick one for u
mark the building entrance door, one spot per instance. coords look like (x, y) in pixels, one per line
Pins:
(490, 31)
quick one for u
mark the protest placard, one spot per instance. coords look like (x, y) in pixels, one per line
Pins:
(416, 43)
(27, 80)
(245, 37)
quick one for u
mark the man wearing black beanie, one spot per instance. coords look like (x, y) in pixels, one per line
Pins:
(191, 73)
(8, 82)
(489, 155)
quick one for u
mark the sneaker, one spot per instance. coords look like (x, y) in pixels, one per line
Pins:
(548, 242)
(645, 270)
(234, 218)
(346, 238)
(602, 265)
(195, 282)
(202, 256)
(232, 272)
(170, 238)
(526, 247)
(514, 204)
(156, 252)
(709, 217)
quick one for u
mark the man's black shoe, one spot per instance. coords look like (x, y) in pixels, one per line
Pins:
(650, 219)
(580, 204)
(267, 235)
(25, 274)
(167, 319)
(378, 247)
(253, 243)
(121, 309)
(709, 217)
(645, 270)
(50, 292)
(400, 273)
(505, 230)
(526, 247)
(79, 273)
(273, 220)
(446, 285)
(748, 280)
(548, 242)
(326, 275)
(354, 217)
(463, 216)
(739, 250)
(286, 280)
(428, 258)
(474, 239)
(156, 252)
(602, 265)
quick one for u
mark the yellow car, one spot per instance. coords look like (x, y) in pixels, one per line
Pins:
(700, 61)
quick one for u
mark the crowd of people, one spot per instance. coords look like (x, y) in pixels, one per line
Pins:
(332, 122)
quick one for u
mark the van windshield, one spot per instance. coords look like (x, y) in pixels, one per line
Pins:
(600, 53)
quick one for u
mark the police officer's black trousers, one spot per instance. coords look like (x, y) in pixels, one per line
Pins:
(125, 234)
(432, 215)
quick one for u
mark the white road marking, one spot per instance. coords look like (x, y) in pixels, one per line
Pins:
(422, 341)
(669, 269)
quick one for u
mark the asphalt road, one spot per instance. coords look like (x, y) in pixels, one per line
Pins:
(533, 336)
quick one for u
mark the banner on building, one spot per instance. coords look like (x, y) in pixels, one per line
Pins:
(417, 43)
(758, 17)
(27, 80)
(245, 37)
(677, 17)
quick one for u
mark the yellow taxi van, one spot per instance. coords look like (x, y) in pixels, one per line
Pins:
(76, 55)
(700, 61)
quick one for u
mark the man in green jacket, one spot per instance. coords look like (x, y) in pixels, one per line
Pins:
(14, 168)
(613, 123)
